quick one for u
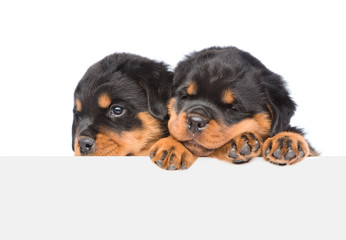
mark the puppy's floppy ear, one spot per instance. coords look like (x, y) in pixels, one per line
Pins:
(158, 88)
(74, 128)
(156, 80)
(279, 103)
(73, 136)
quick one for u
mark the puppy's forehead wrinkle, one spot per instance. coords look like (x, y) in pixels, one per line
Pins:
(218, 73)
(116, 86)
(208, 106)
(103, 82)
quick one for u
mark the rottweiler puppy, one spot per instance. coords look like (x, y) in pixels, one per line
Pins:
(120, 106)
(226, 104)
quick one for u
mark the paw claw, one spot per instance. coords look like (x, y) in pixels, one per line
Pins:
(159, 163)
(269, 148)
(171, 167)
(277, 154)
(256, 146)
(232, 153)
(183, 165)
(241, 161)
(236, 161)
(245, 149)
(289, 155)
(267, 151)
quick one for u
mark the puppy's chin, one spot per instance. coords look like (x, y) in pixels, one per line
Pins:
(197, 149)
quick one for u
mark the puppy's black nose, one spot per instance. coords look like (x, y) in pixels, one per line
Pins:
(86, 145)
(196, 124)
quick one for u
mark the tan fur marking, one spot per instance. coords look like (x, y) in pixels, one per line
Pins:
(138, 142)
(76, 147)
(259, 124)
(191, 88)
(216, 134)
(177, 123)
(227, 96)
(170, 105)
(78, 105)
(104, 100)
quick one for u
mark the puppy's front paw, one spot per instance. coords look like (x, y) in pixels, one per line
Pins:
(285, 148)
(240, 149)
(170, 154)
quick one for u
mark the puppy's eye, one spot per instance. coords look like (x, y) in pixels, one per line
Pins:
(117, 111)
(184, 96)
(232, 107)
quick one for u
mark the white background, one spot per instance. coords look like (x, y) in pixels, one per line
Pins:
(46, 47)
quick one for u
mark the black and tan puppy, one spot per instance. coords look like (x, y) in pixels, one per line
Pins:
(228, 105)
(120, 106)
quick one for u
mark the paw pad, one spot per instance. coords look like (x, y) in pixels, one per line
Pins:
(170, 154)
(285, 148)
(244, 147)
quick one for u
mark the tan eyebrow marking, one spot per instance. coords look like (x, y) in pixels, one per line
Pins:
(104, 100)
(191, 88)
(227, 96)
(78, 105)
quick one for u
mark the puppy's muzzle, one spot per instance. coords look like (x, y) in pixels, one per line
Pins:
(86, 136)
(196, 124)
(197, 119)
(86, 145)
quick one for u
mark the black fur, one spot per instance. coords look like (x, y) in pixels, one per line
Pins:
(256, 88)
(136, 83)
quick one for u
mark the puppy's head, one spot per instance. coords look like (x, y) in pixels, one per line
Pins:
(218, 95)
(120, 106)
